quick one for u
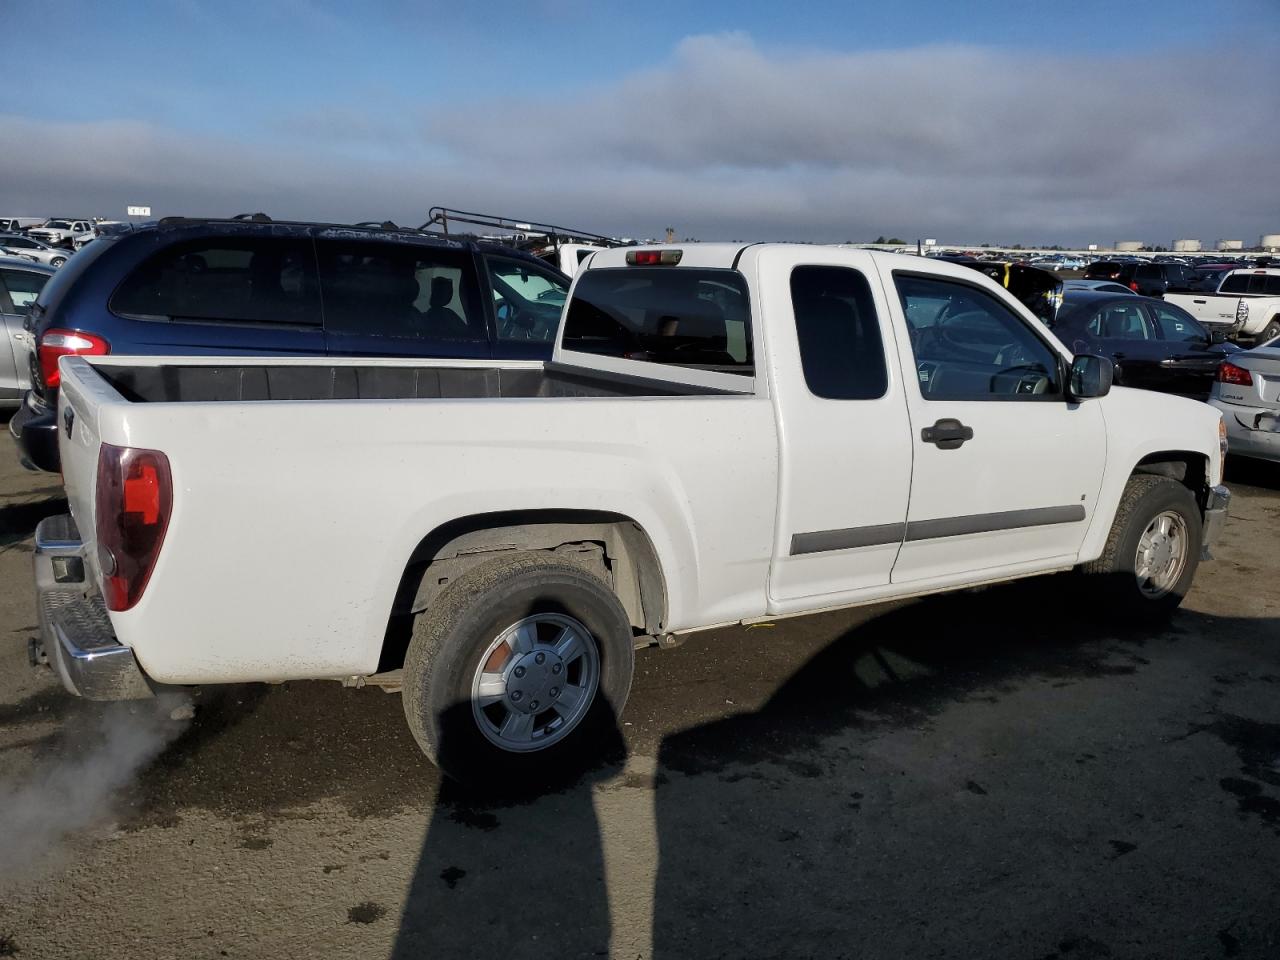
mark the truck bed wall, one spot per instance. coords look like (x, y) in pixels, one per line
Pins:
(249, 382)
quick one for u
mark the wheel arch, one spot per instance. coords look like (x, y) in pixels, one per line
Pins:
(1188, 467)
(614, 546)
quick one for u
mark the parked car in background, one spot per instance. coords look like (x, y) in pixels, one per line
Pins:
(244, 287)
(19, 224)
(20, 283)
(1209, 275)
(1247, 392)
(32, 249)
(99, 228)
(1154, 344)
(1148, 279)
(1101, 286)
(1246, 304)
(61, 231)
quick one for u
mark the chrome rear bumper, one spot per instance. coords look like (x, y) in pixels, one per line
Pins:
(76, 638)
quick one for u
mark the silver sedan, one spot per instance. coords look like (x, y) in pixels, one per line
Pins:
(1248, 394)
(33, 249)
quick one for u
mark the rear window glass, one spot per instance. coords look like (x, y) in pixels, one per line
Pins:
(841, 352)
(683, 316)
(1255, 283)
(230, 280)
(1101, 271)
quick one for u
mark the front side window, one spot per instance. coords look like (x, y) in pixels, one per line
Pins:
(841, 351)
(970, 346)
(225, 280)
(23, 288)
(683, 316)
(527, 299)
(1175, 324)
(399, 290)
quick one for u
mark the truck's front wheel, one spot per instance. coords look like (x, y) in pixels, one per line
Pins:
(517, 672)
(1153, 549)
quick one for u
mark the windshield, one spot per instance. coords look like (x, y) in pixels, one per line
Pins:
(59, 224)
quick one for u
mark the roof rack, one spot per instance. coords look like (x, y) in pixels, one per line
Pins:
(529, 231)
(258, 217)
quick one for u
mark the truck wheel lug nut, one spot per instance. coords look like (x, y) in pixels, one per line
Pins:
(533, 704)
(516, 696)
(540, 658)
(555, 692)
(556, 668)
(519, 671)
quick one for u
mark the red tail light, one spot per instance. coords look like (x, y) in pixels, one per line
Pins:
(132, 503)
(1229, 373)
(1133, 285)
(57, 343)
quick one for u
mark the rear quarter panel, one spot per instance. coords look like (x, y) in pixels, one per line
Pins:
(293, 521)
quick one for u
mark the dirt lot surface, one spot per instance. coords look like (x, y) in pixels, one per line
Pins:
(995, 774)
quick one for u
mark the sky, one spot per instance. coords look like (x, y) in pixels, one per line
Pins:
(1036, 122)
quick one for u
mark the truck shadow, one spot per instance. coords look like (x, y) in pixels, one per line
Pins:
(846, 815)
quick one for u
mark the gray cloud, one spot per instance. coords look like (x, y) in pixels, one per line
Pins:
(725, 140)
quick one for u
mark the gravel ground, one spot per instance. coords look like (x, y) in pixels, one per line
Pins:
(993, 774)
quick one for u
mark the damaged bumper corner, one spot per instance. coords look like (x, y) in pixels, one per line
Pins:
(1215, 518)
(76, 638)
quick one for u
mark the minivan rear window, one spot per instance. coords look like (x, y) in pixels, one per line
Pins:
(228, 280)
(683, 316)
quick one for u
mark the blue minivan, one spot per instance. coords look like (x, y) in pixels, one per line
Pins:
(248, 286)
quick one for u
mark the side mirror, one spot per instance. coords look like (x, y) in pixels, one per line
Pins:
(1090, 377)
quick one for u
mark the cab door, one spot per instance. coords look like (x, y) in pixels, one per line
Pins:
(1006, 471)
(844, 436)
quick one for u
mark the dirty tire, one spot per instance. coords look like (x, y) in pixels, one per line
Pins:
(1270, 333)
(1145, 497)
(469, 615)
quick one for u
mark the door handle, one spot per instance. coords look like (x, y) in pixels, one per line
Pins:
(1199, 301)
(947, 433)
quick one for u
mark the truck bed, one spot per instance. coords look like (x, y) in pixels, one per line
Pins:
(352, 380)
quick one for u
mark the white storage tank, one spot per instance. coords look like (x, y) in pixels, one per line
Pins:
(1186, 246)
(1269, 241)
(1230, 244)
(1129, 246)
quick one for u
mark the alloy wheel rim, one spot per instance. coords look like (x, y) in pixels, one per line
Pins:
(1162, 554)
(535, 682)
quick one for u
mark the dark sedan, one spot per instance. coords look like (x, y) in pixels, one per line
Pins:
(1155, 345)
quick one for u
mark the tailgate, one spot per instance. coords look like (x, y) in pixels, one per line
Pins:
(1207, 307)
(81, 395)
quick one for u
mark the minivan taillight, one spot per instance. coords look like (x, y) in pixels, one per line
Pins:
(57, 343)
(1228, 372)
(1133, 285)
(132, 503)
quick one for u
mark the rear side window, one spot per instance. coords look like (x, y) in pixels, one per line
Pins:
(228, 280)
(399, 290)
(23, 288)
(683, 316)
(841, 351)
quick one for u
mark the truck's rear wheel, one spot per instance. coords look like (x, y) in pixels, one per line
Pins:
(1270, 333)
(1153, 549)
(517, 672)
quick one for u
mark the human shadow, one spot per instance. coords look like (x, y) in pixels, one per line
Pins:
(514, 871)
(960, 776)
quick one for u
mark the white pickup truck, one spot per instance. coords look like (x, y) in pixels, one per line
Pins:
(725, 434)
(1246, 304)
